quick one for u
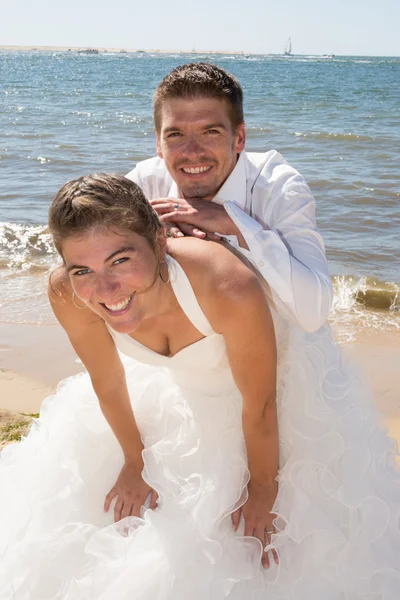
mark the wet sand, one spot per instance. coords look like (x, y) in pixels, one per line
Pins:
(34, 358)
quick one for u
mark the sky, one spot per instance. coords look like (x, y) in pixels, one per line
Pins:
(347, 27)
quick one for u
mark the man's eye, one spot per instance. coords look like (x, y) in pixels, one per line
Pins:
(212, 131)
(173, 134)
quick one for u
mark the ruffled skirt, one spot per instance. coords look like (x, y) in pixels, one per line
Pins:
(338, 507)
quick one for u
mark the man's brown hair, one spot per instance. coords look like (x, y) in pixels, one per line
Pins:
(200, 80)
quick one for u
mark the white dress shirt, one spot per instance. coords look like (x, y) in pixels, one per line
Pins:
(272, 206)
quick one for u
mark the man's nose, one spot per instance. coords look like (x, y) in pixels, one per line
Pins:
(193, 146)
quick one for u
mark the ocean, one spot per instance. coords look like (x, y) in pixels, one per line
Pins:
(336, 119)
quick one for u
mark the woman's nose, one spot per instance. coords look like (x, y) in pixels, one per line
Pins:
(106, 287)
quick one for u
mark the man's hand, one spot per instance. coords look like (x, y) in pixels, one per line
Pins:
(198, 218)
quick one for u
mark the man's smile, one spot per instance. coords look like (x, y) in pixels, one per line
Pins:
(195, 170)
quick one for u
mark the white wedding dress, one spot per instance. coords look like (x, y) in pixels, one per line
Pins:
(338, 505)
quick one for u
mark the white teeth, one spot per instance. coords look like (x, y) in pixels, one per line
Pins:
(120, 305)
(195, 170)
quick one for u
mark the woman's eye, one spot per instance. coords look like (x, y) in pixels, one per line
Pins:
(81, 272)
(119, 261)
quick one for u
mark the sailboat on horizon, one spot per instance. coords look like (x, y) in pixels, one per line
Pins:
(288, 48)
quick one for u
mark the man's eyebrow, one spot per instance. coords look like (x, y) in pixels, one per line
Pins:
(119, 251)
(216, 125)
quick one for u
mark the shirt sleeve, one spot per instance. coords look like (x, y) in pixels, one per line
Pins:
(290, 255)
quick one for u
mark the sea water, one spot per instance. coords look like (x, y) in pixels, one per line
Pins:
(336, 120)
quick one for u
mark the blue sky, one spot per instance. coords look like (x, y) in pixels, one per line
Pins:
(358, 27)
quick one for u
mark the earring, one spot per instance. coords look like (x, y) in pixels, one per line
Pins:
(75, 304)
(160, 274)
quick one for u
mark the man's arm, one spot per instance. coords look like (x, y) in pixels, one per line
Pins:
(289, 252)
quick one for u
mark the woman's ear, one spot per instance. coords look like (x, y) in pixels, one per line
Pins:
(161, 242)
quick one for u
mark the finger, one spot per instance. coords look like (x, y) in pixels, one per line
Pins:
(213, 236)
(118, 509)
(126, 510)
(137, 508)
(265, 560)
(192, 231)
(275, 556)
(248, 527)
(109, 498)
(236, 518)
(175, 216)
(153, 499)
(161, 201)
(264, 538)
(175, 232)
(168, 208)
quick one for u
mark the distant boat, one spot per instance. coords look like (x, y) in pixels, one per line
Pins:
(89, 51)
(288, 48)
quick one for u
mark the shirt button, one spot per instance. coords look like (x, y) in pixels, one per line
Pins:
(261, 263)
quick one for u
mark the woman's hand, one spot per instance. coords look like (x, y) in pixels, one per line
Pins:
(131, 491)
(258, 517)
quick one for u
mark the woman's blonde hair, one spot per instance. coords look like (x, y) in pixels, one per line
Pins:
(105, 201)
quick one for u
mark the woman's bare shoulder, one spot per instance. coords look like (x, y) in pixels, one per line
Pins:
(212, 267)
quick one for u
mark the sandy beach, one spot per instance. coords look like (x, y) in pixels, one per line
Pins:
(34, 359)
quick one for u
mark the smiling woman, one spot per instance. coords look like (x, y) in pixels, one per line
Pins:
(175, 426)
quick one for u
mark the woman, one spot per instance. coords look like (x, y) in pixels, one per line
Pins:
(196, 422)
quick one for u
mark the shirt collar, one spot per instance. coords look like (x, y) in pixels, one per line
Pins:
(233, 190)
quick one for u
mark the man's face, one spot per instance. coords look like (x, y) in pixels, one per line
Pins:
(199, 145)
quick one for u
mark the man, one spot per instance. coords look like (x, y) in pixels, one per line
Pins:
(206, 185)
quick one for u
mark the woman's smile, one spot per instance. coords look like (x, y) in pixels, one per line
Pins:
(121, 307)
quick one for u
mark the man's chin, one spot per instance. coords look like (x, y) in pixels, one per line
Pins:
(198, 191)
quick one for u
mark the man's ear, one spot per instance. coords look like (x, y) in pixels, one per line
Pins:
(240, 138)
(158, 146)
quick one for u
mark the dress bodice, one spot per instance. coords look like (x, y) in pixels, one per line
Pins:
(201, 364)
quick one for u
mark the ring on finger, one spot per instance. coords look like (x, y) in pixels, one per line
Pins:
(176, 206)
(269, 531)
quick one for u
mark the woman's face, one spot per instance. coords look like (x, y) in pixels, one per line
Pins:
(115, 273)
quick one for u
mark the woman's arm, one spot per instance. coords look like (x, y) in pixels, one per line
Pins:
(95, 347)
(246, 324)
(233, 299)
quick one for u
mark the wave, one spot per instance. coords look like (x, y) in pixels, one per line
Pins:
(368, 292)
(32, 245)
(35, 239)
(339, 137)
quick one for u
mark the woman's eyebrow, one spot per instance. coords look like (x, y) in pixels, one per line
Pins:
(119, 251)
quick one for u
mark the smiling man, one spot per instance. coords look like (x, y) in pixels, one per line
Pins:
(203, 183)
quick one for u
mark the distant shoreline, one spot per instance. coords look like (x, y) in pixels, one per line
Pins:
(123, 50)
